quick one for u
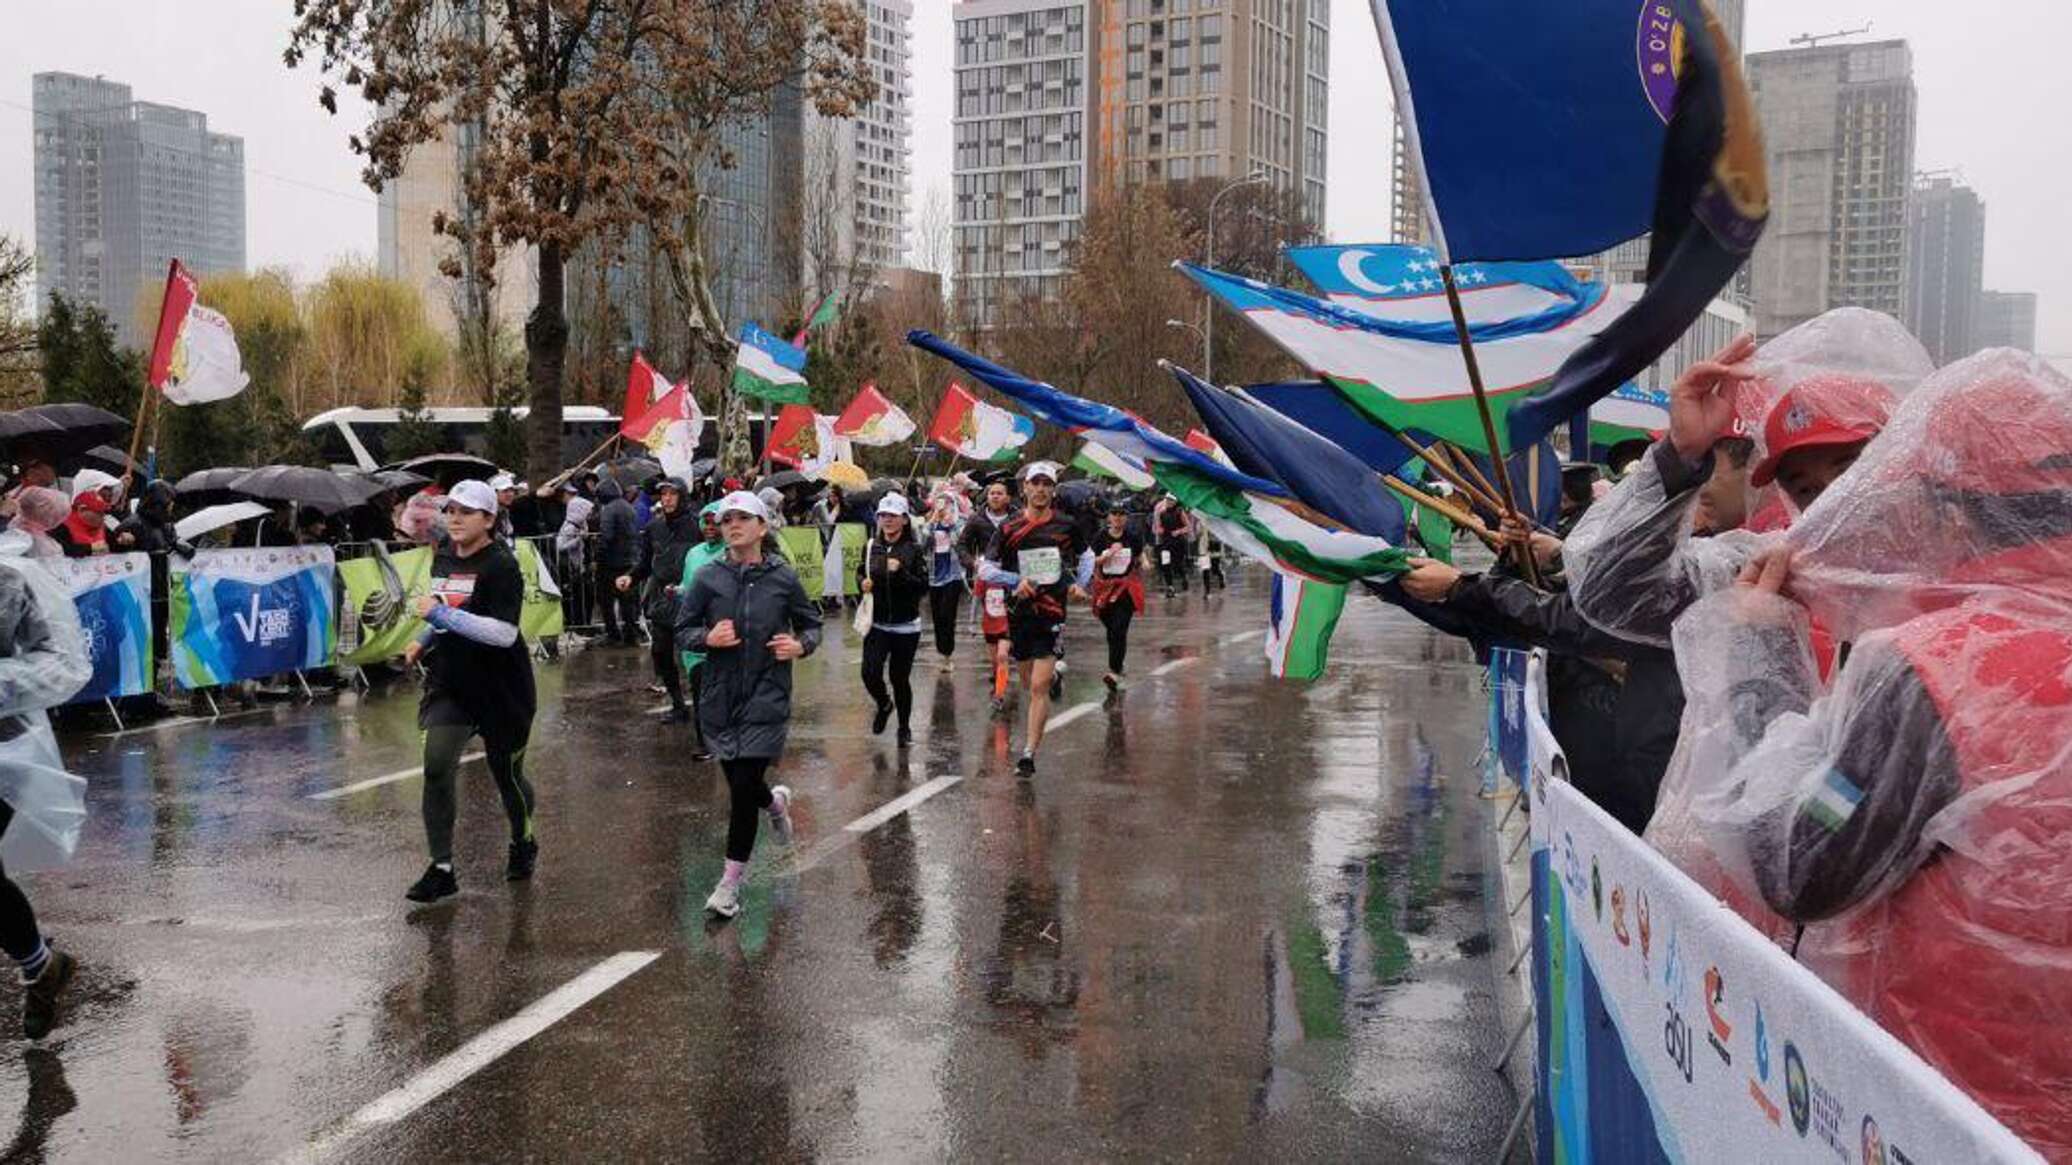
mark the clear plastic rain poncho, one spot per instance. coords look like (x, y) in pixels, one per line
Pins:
(1632, 563)
(1916, 814)
(43, 662)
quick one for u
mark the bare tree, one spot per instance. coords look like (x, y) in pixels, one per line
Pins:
(18, 352)
(589, 117)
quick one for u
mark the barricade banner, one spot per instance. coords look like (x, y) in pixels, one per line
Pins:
(113, 595)
(244, 614)
(1507, 675)
(540, 617)
(802, 546)
(1670, 1030)
(378, 618)
(855, 536)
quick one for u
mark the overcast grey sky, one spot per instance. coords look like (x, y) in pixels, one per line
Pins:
(1995, 93)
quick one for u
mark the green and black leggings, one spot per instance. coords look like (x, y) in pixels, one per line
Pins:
(443, 745)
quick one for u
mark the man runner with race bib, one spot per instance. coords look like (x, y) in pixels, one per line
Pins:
(1043, 560)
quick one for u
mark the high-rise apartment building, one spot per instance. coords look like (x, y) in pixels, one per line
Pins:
(1838, 132)
(2007, 319)
(1058, 98)
(1946, 267)
(123, 187)
(857, 168)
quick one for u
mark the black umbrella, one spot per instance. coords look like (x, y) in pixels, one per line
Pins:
(1073, 495)
(56, 431)
(318, 488)
(783, 479)
(399, 480)
(210, 487)
(105, 457)
(702, 469)
(448, 468)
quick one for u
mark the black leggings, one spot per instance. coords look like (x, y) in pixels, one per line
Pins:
(747, 797)
(883, 647)
(942, 604)
(615, 606)
(1173, 570)
(1116, 618)
(18, 934)
(442, 748)
(662, 650)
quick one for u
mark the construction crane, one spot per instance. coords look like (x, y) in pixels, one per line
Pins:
(1813, 39)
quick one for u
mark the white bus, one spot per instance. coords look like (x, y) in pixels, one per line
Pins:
(355, 438)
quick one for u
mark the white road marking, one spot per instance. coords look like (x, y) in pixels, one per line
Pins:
(1245, 636)
(480, 1052)
(900, 804)
(184, 721)
(385, 779)
(1173, 665)
(1070, 714)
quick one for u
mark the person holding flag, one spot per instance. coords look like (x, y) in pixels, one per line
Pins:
(478, 682)
(1029, 556)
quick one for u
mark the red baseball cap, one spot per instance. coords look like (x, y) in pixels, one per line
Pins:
(1830, 409)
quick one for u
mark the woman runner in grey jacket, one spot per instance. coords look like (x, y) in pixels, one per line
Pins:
(750, 618)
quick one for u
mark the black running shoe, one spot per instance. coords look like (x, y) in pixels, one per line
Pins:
(435, 884)
(906, 737)
(40, 997)
(676, 716)
(883, 717)
(1057, 687)
(524, 856)
(1027, 765)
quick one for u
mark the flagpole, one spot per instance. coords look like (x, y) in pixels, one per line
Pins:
(144, 409)
(1498, 469)
(1455, 514)
(1444, 469)
(571, 471)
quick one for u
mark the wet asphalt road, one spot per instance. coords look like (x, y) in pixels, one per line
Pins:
(1230, 919)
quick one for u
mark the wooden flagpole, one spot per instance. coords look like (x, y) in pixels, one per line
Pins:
(1500, 471)
(1458, 515)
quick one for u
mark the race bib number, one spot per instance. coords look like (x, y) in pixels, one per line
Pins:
(1119, 561)
(1042, 565)
(942, 541)
(1165, 558)
(996, 603)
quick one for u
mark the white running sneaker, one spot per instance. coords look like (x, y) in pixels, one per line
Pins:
(780, 813)
(725, 900)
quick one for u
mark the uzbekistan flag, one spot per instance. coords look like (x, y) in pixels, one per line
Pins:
(194, 359)
(1097, 460)
(1407, 373)
(1301, 615)
(1630, 413)
(1255, 516)
(823, 314)
(768, 368)
(971, 428)
(645, 388)
(873, 420)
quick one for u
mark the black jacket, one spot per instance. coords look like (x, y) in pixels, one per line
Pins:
(977, 535)
(895, 595)
(744, 692)
(662, 547)
(615, 534)
(1618, 734)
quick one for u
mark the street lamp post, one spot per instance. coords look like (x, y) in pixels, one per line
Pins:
(1196, 329)
(1208, 344)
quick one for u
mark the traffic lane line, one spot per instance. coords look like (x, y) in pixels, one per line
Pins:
(384, 779)
(827, 847)
(478, 1053)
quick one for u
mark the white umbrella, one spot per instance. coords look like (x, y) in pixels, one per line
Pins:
(202, 521)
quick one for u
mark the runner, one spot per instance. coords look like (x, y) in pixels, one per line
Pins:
(1169, 519)
(43, 662)
(698, 558)
(478, 682)
(1030, 555)
(749, 615)
(895, 574)
(972, 543)
(945, 572)
(1120, 564)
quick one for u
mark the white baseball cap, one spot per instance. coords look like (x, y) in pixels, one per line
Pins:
(502, 482)
(894, 504)
(743, 502)
(474, 495)
(1047, 469)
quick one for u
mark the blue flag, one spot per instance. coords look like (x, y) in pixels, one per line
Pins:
(1318, 473)
(1318, 407)
(1549, 130)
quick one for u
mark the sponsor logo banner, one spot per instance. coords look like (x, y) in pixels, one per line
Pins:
(247, 614)
(113, 595)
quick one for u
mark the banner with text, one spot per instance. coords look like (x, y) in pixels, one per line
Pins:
(802, 548)
(1669, 1030)
(378, 618)
(113, 594)
(245, 614)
